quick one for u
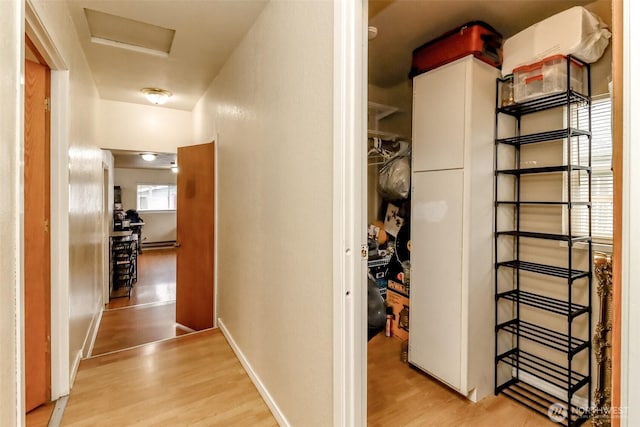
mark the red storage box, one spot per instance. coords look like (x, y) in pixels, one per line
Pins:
(473, 38)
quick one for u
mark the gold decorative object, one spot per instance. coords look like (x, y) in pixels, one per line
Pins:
(602, 342)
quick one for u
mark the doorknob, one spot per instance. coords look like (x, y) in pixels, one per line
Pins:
(177, 245)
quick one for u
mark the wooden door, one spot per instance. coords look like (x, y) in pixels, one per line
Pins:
(37, 254)
(195, 228)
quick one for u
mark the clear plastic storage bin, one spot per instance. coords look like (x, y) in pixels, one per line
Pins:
(546, 77)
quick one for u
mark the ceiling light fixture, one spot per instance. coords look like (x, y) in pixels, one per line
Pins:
(148, 157)
(155, 95)
(174, 167)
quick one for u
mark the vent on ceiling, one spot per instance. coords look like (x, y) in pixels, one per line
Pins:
(125, 33)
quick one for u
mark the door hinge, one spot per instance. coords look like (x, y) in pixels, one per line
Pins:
(46, 225)
(364, 251)
(47, 104)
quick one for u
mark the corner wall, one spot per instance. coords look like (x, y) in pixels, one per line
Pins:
(127, 126)
(270, 112)
(11, 104)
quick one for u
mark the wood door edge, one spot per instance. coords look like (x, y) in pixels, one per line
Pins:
(616, 337)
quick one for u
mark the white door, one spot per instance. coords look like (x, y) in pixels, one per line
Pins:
(436, 278)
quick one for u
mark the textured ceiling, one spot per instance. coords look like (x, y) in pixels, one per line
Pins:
(206, 33)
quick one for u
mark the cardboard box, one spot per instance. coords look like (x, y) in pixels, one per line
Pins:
(400, 305)
(400, 288)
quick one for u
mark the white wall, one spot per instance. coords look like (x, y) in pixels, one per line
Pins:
(85, 181)
(401, 97)
(126, 126)
(158, 226)
(271, 109)
(11, 105)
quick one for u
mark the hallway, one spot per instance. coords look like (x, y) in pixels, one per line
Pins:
(197, 380)
(192, 380)
(149, 315)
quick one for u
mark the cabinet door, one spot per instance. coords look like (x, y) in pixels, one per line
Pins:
(436, 276)
(439, 118)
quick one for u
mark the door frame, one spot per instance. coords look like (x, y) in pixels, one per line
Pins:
(107, 226)
(59, 136)
(350, 80)
(629, 298)
(350, 23)
(105, 232)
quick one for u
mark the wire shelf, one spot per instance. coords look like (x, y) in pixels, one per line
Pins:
(544, 336)
(549, 270)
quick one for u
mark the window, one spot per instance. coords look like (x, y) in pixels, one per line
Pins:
(601, 175)
(157, 197)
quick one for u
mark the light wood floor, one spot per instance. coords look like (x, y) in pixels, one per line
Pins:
(149, 315)
(131, 326)
(399, 395)
(193, 380)
(196, 380)
(39, 417)
(156, 279)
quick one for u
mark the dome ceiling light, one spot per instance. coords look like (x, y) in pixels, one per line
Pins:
(148, 157)
(156, 96)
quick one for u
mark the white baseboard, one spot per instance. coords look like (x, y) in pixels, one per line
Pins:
(549, 388)
(74, 368)
(87, 344)
(93, 331)
(273, 407)
(185, 328)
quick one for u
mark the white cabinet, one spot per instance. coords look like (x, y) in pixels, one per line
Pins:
(439, 131)
(437, 213)
(451, 320)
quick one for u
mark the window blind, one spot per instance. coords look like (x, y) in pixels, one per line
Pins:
(601, 175)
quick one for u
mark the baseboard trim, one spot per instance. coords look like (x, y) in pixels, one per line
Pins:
(74, 368)
(158, 245)
(266, 396)
(185, 328)
(87, 344)
(550, 389)
(142, 306)
(92, 332)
